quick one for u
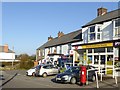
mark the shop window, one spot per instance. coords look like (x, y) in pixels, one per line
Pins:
(102, 58)
(110, 58)
(110, 49)
(117, 27)
(89, 50)
(89, 59)
(99, 50)
(96, 59)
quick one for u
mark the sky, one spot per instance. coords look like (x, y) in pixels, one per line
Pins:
(27, 25)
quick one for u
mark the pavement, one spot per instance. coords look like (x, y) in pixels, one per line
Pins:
(8, 75)
(107, 82)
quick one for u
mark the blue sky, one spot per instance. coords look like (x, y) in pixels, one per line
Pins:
(26, 26)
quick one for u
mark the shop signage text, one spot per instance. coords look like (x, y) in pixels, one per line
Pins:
(98, 45)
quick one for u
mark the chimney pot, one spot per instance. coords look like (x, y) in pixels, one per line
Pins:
(60, 34)
(101, 11)
(50, 38)
(6, 48)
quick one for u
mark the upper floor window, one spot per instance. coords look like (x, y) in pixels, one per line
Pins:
(117, 27)
(69, 47)
(55, 49)
(98, 33)
(91, 33)
(60, 49)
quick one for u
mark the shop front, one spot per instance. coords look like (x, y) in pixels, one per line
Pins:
(101, 55)
(117, 55)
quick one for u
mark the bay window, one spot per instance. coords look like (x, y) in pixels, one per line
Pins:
(117, 27)
(94, 33)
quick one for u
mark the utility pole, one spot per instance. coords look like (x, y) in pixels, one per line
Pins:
(12, 56)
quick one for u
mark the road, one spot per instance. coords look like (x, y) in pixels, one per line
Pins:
(20, 80)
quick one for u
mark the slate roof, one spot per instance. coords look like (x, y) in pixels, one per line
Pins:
(106, 17)
(66, 38)
(2, 50)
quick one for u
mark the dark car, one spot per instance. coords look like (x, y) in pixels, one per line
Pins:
(72, 75)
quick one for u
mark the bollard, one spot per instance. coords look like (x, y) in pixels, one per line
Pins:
(97, 79)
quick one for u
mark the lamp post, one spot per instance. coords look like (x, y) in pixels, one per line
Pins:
(13, 57)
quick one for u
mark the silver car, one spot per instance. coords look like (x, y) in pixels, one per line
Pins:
(46, 69)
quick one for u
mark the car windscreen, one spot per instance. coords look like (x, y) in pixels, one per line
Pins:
(72, 69)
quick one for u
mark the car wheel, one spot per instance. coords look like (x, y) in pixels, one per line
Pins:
(44, 75)
(73, 80)
(33, 74)
(93, 78)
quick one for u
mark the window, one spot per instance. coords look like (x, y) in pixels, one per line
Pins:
(98, 29)
(89, 59)
(110, 49)
(117, 27)
(69, 47)
(55, 49)
(96, 59)
(98, 36)
(46, 67)
(102, 58)
(60, 49)
(92, 33)
(110, 58)
(98, 33)
(99, 50)
(117, 22)
(89, 50)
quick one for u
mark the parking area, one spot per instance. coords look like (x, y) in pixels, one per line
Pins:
(23, 81)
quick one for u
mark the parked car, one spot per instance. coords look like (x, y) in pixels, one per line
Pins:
(72, 75)
(46, 69)
(31, 72)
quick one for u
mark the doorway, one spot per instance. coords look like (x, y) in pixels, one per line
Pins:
(102, 59)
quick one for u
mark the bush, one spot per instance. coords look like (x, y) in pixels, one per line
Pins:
(26, 64)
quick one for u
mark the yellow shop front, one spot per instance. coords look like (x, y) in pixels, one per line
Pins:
(100, 55)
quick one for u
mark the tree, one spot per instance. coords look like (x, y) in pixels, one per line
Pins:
(25, 61)
(32, 57)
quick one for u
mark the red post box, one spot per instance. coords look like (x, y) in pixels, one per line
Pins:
(83, 75)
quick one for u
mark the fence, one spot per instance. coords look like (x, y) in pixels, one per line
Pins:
(101, 75)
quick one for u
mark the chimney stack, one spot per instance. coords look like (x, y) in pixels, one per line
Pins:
(60, 34)
(101, 11)
(50, 38)
(6, 48)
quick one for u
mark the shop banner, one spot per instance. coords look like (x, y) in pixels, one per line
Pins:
(98, 45)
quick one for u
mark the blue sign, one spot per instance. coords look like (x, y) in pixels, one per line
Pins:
(117, 44)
